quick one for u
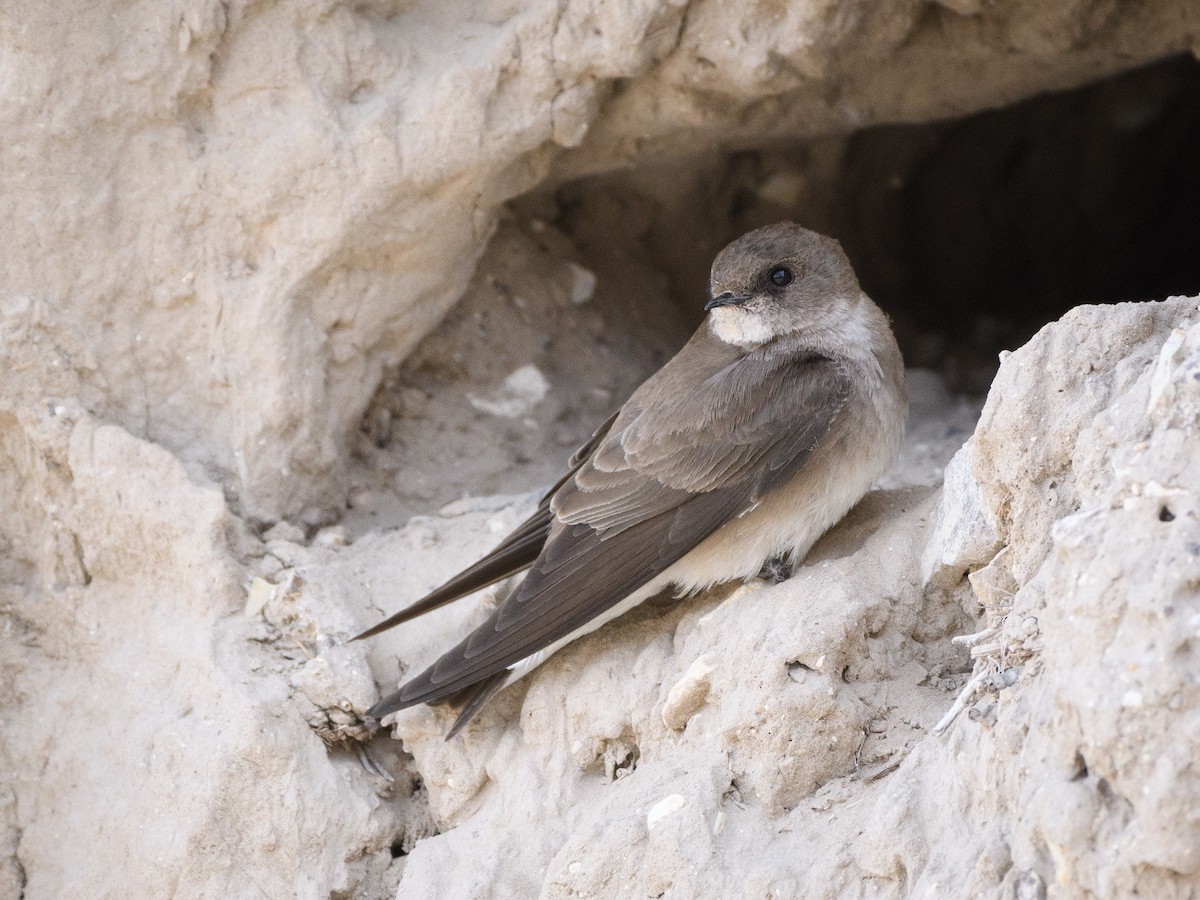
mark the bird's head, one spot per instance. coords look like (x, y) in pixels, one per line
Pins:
(779, 280)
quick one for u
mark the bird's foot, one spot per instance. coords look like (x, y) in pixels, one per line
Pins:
(775, 570)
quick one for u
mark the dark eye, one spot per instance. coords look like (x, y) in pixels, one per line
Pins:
(781, 276)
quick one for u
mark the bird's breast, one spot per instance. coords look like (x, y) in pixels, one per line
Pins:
(861, 446)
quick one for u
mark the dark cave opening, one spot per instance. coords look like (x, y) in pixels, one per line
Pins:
(990, 226)
(972, 233)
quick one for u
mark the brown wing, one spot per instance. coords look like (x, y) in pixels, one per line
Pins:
(514, 554)
(691, 450)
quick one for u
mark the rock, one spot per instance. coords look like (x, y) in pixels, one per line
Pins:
(230, 230)
(938, 423)
(663, 809)
(583, 283)
(140, 702)
(963, 537)
(1094, 485)
(516, 397)
(339, 689)
(687, 695)
(772, 736)
(763, 732)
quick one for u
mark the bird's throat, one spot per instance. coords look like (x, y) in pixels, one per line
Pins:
(739, 327)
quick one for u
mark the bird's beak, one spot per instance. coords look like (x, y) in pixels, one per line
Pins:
(729, 298)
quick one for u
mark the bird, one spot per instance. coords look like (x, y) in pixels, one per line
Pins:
(775, 418)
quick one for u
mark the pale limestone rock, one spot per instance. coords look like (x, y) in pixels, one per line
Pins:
(338, 688)
(963, 536)
(663, 809)
(151, 730)
(515, 397)
(583, 283)
(224, 221)
(687, 695)
(773, 729)
(1099, 502)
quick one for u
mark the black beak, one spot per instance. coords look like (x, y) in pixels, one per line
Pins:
(729, 298)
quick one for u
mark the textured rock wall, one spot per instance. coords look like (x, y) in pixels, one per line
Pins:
(1086, 466)
(225, 222)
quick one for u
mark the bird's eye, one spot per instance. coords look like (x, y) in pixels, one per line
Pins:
(781, 276)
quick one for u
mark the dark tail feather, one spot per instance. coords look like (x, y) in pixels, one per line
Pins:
(472, 697)
(389, 705)
(480, 693)
(516, 554)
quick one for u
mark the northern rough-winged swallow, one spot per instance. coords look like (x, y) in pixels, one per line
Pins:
(762, 432)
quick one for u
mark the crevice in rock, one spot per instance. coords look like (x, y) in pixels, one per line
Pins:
(618, 757)
(989, 226)
(1080, 768)
(733, 794)
(796, 670)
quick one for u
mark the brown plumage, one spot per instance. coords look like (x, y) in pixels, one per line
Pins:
(757, 436)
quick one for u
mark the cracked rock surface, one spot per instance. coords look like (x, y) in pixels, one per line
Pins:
(279, 355)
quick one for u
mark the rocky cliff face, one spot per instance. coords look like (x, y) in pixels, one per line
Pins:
(234, 235)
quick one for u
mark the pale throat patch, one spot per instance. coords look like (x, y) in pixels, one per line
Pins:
(739, 327)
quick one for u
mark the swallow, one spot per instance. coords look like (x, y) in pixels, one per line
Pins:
(775, 418)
